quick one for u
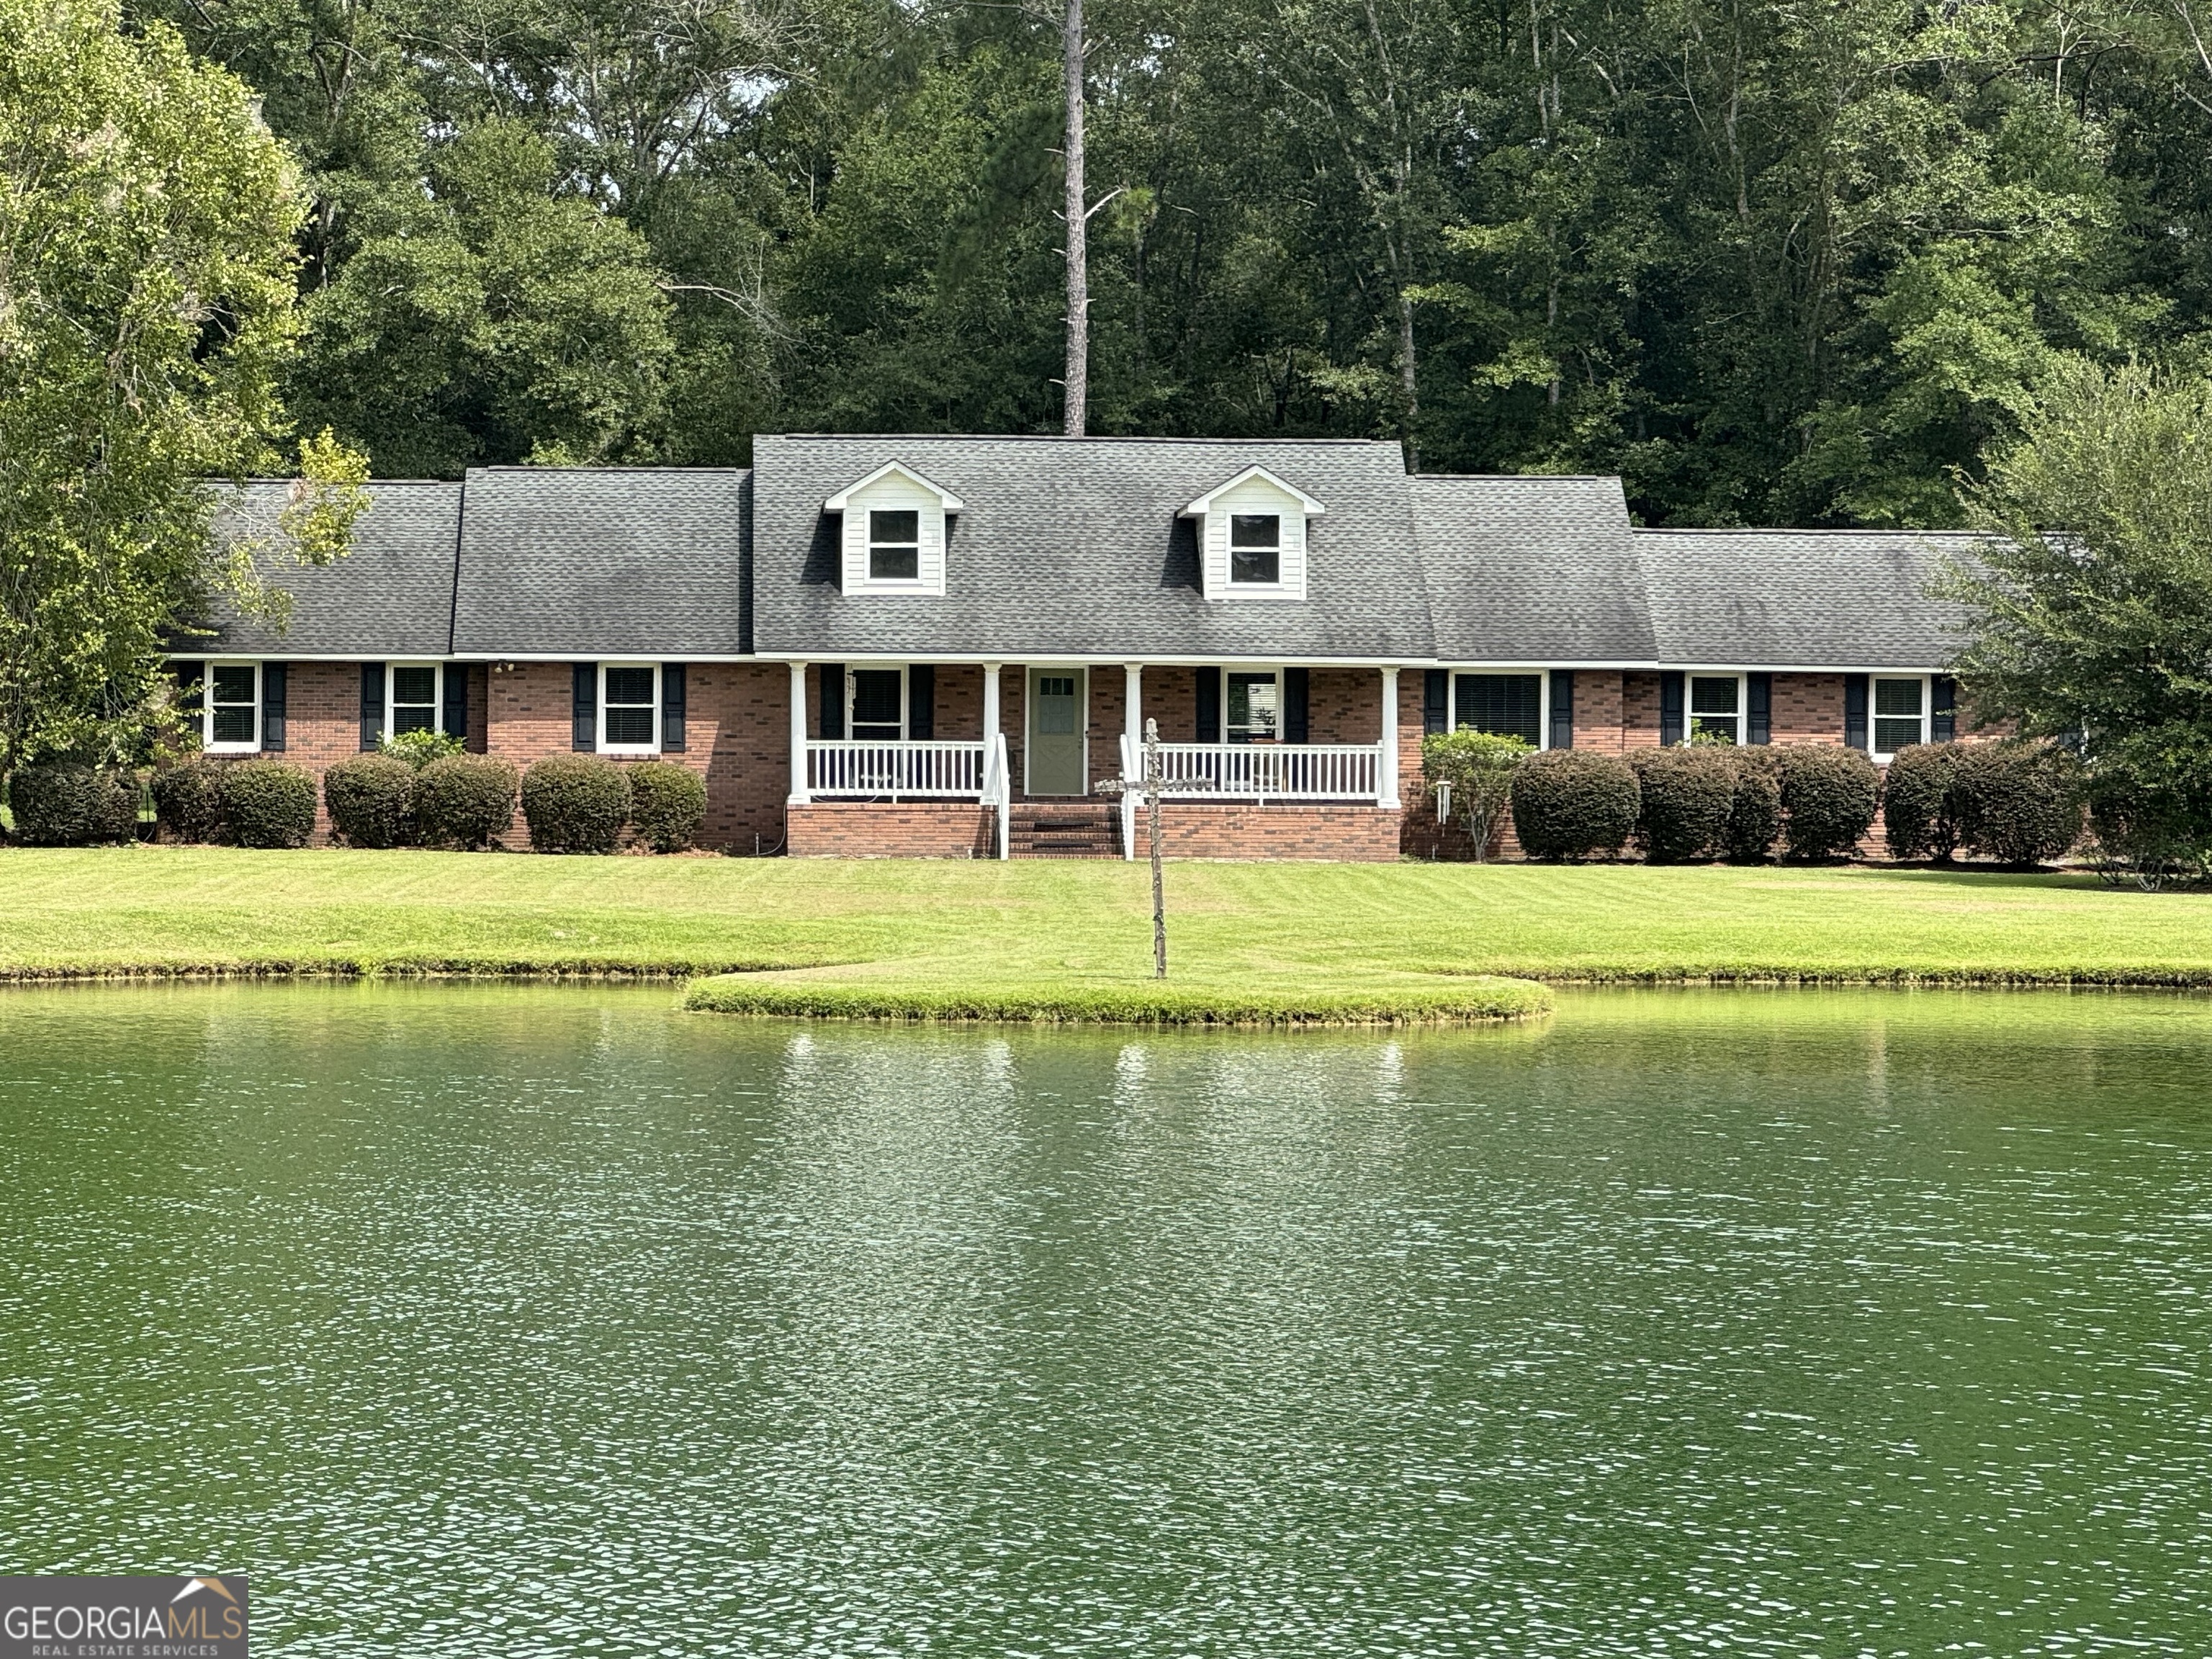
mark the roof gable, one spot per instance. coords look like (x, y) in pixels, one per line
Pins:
(1307, 504)
(945, 498)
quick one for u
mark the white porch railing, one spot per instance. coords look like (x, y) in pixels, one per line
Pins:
(919, 770)
(999, 787)
(1271, 771)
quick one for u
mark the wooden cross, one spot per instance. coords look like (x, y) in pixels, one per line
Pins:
(1149, 788)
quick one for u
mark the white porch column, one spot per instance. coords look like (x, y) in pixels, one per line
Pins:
(1132, 682)
(991, 700)
(800, 795)
(1386, 773)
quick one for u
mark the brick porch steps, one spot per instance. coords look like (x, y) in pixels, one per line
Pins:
(1064, 830)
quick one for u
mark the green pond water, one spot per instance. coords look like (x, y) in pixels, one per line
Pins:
(504, 1321)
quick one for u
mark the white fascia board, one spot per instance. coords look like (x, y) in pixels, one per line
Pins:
(1791, 668)
(947, 499)
(1204, 504)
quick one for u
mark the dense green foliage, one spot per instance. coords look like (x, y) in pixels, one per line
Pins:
(1774, 266)
(464, 800)
(188, 799)
(1829, 799)
(1919, 807)
(1477, 997)
(668, 805)
(1755, 814)
(1478, 767)
(1570, 803)
(366, 797)
(268, 804)
(419, 748)
(575, 804)
(1687, 796)
(64, 804)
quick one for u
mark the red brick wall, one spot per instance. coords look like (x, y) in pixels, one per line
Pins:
(1809, 709)
(1225, 830)
(1599, 712)
(920, 829)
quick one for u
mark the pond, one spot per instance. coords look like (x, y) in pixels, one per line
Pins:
(548, 1321)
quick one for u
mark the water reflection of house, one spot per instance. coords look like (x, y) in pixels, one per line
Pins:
(883, 644)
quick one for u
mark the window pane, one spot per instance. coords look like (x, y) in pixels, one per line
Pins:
(1509, 705)
(1055, 711)
(632, 685)
(414, 717)
(1716, 728)
(631, 726)
(894, 564)
(1255, 530)
(1713, 695)
(1897, 697)
(1892, 735)
(876, 699)
(233, 724)
(1255, 564)
(1252, 708)
(234, 685)
(894, 526)
(414, 685)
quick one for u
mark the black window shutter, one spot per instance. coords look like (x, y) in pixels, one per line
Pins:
(672, 713)
(1944, 709)
(454, 717)
(1670, 706)
(372, 704)
(1298, 702)
(583, 707)
(1854, 711)
(1436, 702)
(921, 701)
(1562, 709)
(272, 706)
(1759, 711)
(833, 700)
(192, 681)
(1209, 705)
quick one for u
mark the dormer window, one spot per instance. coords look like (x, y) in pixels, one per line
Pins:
(1252, 537)
(1255, 547)
(896, 532)
(893, 545)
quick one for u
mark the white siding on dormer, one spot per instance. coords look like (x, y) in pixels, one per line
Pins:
(1254, 495)
(894, 494)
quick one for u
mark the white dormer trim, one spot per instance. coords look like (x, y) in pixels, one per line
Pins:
(1253, 490)
(893, 488)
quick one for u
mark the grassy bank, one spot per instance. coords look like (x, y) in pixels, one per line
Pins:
(1279, 930)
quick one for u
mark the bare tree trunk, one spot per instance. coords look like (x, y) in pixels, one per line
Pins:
(1077, 382)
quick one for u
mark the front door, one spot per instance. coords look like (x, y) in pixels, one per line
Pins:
(1056, 740)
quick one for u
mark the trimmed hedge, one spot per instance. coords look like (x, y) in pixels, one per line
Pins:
(62, 804)
(267, 803)
(464, 800)
(1919, 811)
(1829, 797)
(366, 796)
(1570, 803)
(1755, 814)
(188, 798)
(575, 804)
(2018, 802)
(667, 805)
(1687, 798)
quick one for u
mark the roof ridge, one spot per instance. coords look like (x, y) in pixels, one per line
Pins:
(1062, 437)
(1788, 530)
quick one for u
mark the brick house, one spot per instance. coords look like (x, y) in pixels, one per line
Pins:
(941, 646)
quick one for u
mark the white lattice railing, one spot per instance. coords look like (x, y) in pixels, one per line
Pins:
(943, 770)
(1271, 771)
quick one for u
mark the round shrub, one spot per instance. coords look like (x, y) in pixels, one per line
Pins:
(1687, 796)
(188, 799)
(464, 800)
(575, 804)
(267, 803)
(1569, 803)
(2018, 802)
(667, 805)
(1755, 813)
(1920, 814)
(64, 804)
(1829, 797)
(366, 796)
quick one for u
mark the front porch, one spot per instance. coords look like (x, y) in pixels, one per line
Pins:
(993, 760)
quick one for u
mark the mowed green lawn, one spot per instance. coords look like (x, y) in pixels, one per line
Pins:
(1339, 927)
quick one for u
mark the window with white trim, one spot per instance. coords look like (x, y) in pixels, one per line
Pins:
(1255, 547)
(875, 704)
(629, 709)
(412, 691)
(1716, 708)
(893, 545)
(1254, 711)
(1900, 715)
(230, 708)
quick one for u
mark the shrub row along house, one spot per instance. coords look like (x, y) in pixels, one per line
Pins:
(943, 646)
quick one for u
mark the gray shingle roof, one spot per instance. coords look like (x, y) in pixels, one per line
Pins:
(1073, 547)
(1841, 599)
(603, 562)
(391, 596)
(1533, 569)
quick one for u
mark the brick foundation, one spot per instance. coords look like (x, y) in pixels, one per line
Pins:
(865, 829)
(1221, 829)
